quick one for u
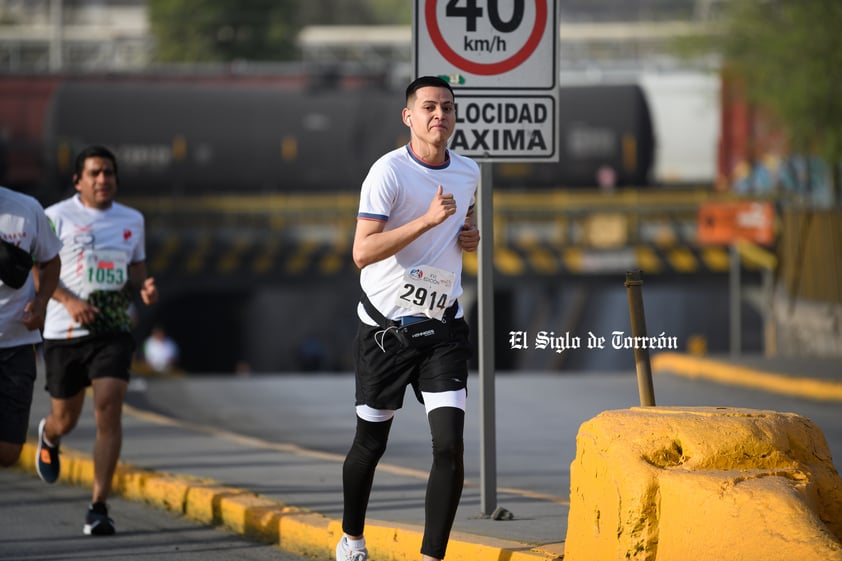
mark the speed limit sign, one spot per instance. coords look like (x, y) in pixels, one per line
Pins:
(502, 56)
(488, 43)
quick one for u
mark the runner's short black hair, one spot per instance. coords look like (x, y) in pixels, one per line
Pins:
(427, 81)
(94, 151)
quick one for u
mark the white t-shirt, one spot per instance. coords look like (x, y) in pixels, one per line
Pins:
(24, 224)
(399, 188)
(98, 247)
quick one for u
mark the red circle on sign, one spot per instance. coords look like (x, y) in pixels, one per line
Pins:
(479, 68)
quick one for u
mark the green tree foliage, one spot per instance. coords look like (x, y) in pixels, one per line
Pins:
(223, 31)
(355, 12)
(257, 30)
(392, 12)
(788, 54)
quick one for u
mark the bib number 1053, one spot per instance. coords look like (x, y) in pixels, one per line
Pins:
(106, 276)
(104, 270)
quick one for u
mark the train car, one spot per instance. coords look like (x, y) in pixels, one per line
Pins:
(606, 139)
(177, 139)
(686, 114)
(176, 136)
(24, 101)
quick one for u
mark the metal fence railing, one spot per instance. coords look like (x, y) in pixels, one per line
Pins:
(810, 252)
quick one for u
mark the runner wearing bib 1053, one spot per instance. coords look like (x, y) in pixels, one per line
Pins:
(100, 244)
(88, 339)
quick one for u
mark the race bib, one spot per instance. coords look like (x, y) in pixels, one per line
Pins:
(426, 290)
(105, 269)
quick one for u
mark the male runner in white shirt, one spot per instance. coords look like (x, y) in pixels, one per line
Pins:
(415, 220)
(88, 339)
(27, 238)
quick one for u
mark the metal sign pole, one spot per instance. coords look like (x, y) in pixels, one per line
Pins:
(638, 326)
(522, 75)
(485, 319)
(735, 301)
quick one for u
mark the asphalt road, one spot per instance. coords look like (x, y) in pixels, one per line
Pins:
(537, 415)
(40, 522)
(537, 419)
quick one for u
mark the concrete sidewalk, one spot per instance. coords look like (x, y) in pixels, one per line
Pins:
(229, 480)
(278, 492)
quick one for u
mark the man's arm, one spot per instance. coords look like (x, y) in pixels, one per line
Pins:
(146, 285)
(469, 235)
(45, 275)
(373, 244)
(79, 310)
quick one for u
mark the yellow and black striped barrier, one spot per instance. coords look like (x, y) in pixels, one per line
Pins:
(535, 234)
(271, 258)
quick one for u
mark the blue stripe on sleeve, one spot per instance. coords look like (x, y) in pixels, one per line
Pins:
(370, 216)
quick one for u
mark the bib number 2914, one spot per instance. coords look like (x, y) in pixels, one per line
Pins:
(419, 297)
(426, 290)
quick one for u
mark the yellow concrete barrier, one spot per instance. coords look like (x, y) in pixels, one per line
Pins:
(703, 484)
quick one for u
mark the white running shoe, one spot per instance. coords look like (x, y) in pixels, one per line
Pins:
(345, 553)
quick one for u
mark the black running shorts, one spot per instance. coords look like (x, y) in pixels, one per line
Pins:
(382, 375)
(17, 378)
(73, 363)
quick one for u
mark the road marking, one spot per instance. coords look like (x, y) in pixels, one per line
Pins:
(297, 450)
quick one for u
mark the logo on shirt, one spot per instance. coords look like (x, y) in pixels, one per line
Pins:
(127, 234)
(11, 237)
(416, 274)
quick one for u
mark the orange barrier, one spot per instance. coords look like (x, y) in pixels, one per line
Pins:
(722, 223)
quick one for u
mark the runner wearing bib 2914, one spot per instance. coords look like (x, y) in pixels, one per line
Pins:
(415, 220)
(425, 277)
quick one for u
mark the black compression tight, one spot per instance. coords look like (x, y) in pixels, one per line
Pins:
(358, 472)
(444, 486)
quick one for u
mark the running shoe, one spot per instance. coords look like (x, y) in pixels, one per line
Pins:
(345, 553)
(47, 462)
(97, 522)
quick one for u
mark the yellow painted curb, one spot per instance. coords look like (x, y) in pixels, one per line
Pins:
(695, 367)
(290, 528)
